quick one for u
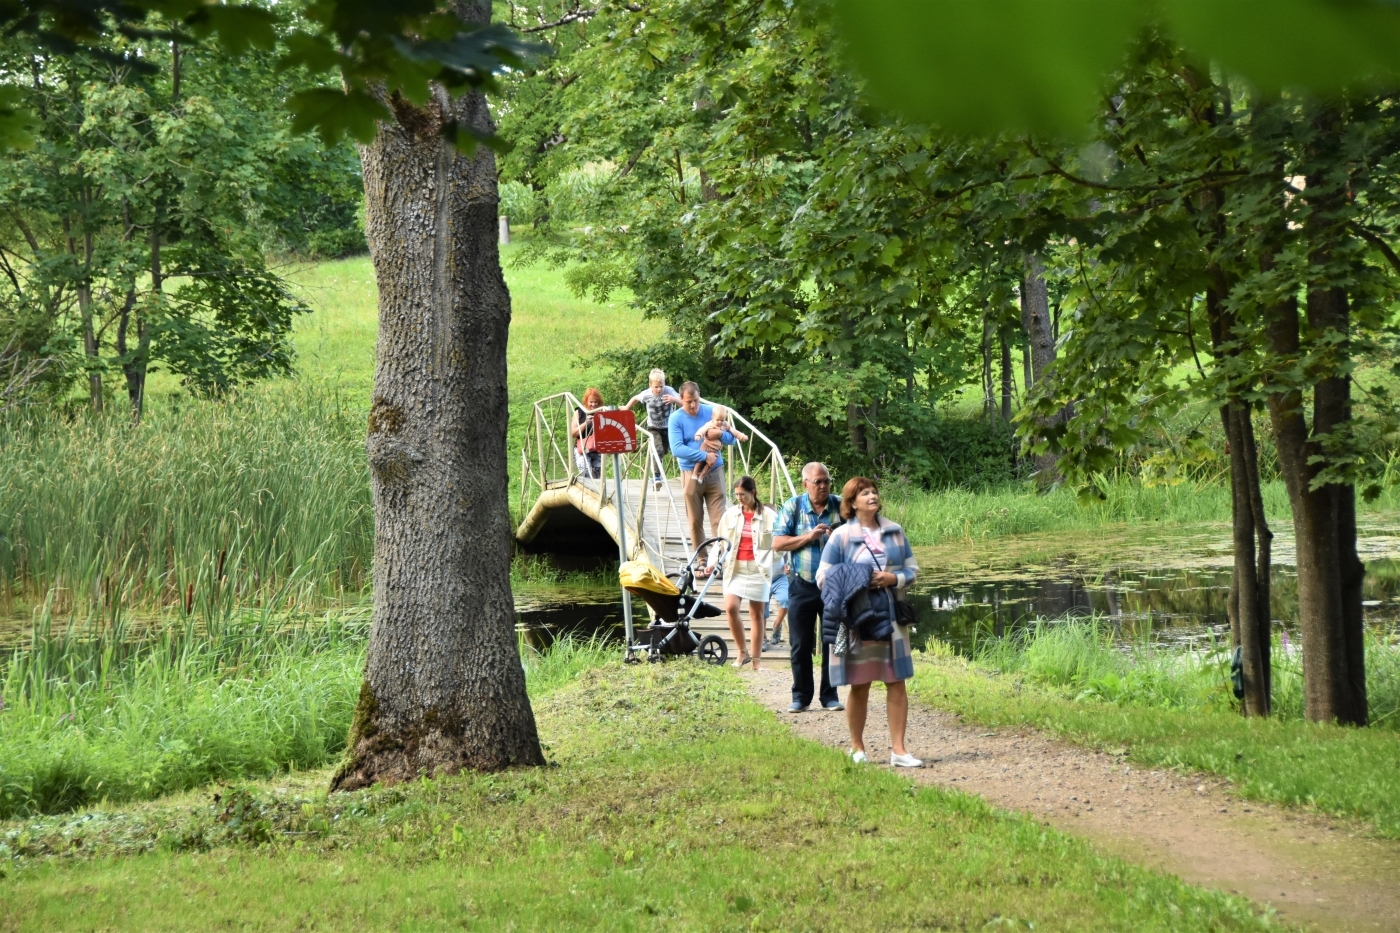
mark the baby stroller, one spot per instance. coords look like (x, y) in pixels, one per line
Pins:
(675, 605)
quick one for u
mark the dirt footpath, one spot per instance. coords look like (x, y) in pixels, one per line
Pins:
(1322, 874)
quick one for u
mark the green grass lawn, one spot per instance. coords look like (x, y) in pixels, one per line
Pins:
(674, 802)
(1334, 769)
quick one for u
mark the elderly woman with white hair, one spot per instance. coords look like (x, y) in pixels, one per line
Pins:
(660, 400)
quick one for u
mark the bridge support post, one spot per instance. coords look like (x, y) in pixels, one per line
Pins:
(622, 553)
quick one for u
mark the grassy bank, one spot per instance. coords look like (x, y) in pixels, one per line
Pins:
(121, 717)
(932, 518)
(1086, 659)
(1172, 710)
(677, 804)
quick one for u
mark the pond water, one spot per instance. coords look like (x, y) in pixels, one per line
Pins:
(1168, 605)
(1172, 589)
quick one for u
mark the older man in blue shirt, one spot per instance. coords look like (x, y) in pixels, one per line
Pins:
(690, 453)
(802, 528)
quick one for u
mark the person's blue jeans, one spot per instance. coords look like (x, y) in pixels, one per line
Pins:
(804, 607)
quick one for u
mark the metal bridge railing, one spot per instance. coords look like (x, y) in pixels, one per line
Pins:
(549, 459)
(759, 457)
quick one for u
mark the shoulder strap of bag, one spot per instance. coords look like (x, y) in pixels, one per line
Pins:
(873, 556)
(891, 593)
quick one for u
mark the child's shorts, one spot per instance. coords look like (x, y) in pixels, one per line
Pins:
(778, 590)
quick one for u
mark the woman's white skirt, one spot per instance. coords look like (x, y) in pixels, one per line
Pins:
(748, 582)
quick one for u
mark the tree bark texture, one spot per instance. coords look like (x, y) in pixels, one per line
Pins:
(1324, 516)
(444, 689)
(1249, 584)
(1035, 318)
(1006, 378)
(1334, 682)
(1249, 609)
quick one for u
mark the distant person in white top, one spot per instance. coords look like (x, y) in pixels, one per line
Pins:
(660, 400)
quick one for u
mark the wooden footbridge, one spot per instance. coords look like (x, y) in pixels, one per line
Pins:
(567, 511)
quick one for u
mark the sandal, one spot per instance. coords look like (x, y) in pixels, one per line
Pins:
(744, 659)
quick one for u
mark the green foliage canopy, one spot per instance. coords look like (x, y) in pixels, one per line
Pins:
(1018, 64)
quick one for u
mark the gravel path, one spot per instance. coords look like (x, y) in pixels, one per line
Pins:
(1311, 871)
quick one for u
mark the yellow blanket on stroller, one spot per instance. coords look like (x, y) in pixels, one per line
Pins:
(641, 576)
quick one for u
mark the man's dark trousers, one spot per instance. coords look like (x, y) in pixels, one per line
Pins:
(804, 605)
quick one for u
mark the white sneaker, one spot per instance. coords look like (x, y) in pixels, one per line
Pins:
(858, 757)
(905, 761)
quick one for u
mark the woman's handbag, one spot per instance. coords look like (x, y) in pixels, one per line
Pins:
(904, 612)
(587, 443)
(843, 641)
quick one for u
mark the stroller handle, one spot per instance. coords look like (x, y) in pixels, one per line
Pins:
(700, 549)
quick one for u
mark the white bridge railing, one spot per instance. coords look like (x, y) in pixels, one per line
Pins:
(549, 459)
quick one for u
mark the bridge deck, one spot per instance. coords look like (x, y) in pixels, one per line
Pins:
(665, 537)
(658, 527)
(571, 513)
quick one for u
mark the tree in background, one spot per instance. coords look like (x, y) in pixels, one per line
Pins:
(139, 217)
(743, 192)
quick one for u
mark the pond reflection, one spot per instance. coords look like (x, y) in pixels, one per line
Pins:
(1170, 606)
(541, 625)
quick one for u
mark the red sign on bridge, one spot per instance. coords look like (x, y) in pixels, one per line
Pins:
(615, 432)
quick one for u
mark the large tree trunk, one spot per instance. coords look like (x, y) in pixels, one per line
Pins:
(1035, 318)
(444, 688)
(1324, 516)
(1329, 312)
(1330, 685)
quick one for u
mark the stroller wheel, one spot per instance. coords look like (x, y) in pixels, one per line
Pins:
(713, 650)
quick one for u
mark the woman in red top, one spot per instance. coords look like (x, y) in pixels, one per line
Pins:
(748, 571)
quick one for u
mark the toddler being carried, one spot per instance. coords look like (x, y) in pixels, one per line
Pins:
(714, 430)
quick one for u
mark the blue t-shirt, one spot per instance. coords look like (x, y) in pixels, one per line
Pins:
(683, 442)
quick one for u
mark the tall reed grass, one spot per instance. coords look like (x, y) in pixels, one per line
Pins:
(954, 514)
(117, 714)
(227, 500)
(122, 715)
(1087, 659)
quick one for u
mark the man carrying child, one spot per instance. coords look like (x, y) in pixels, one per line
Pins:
(705, 492)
